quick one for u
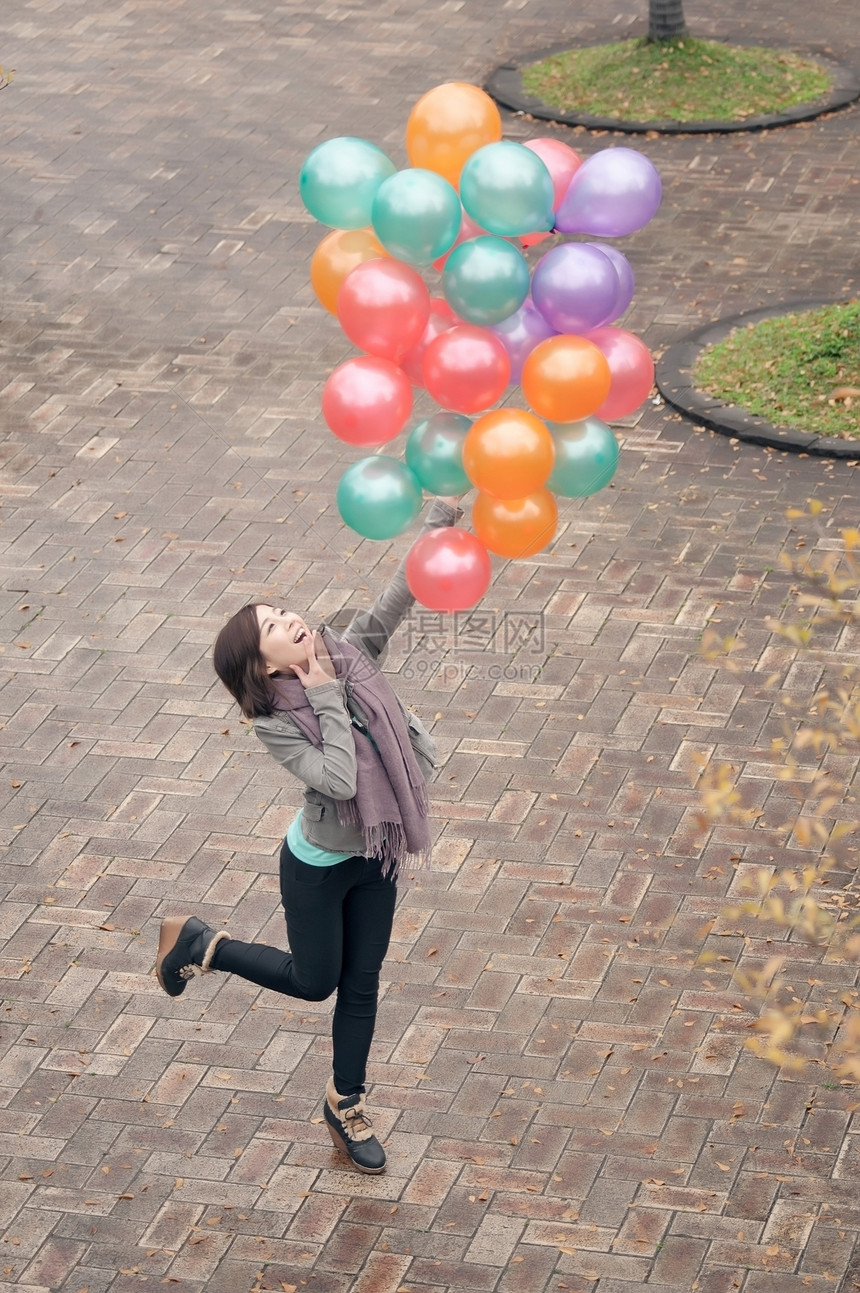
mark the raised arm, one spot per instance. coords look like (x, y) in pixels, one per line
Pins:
(370, 630)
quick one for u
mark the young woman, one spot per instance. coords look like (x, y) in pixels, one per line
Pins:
(324, 710)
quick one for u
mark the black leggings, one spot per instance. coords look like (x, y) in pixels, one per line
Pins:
(339, 922)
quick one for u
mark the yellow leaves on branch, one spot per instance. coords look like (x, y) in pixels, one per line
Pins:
(815, 760)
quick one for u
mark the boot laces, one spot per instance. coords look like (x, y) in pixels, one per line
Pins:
(356, 1120)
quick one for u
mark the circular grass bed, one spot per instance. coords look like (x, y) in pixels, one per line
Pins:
(683, 80)
(797, 370)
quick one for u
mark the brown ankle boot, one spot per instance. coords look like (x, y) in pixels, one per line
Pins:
(350, 1129)
(185, 947)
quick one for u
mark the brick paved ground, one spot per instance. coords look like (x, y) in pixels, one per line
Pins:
(564, 1095)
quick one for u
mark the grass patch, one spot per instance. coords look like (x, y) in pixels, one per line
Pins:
(677, 80)
(796, 370)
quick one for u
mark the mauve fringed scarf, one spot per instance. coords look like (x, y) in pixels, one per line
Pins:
(390, 803)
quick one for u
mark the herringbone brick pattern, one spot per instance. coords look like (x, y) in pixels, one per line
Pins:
(561, 1083)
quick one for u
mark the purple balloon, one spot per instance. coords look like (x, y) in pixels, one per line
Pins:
(614, 192)
(626, 281)
(519, 333)
(574, 285)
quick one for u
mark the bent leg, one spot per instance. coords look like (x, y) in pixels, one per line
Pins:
(313, 903)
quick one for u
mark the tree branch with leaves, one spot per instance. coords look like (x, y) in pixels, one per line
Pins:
(816, 761)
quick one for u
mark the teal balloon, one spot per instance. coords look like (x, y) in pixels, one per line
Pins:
(586, 455)
(339, 180)
(507, 190)
(434, 452)
(485, 279)
(379, 497)
(416, 215)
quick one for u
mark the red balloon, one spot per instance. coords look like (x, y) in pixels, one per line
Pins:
(442, 317)
(466, 369)
(367, 401)
(631, 368)
(383, 307)
(448, 569)
(532, 239)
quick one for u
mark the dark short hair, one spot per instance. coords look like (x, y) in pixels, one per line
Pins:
(239, 662)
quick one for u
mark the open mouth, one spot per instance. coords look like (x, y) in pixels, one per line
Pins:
(300, 636)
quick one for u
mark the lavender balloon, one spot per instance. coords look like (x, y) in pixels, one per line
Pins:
(626, 281)
(574, 285)
(520, 333)
(614, 192)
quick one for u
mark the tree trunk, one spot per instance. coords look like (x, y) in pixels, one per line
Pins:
(666, 20)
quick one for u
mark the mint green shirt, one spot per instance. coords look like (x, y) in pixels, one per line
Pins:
(307, 852)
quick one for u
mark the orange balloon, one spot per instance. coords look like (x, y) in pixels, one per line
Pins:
(338, 253)
(508, 453)
(448, 124)
(515, 527)
(566, 378)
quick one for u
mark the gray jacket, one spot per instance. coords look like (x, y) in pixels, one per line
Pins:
(329, 774)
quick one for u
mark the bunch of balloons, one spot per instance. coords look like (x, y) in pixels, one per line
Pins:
(466, 207)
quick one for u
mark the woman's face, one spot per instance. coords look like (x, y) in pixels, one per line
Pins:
(284, 639)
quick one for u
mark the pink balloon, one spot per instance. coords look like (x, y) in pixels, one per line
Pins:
(383, 307)
(468, 229)
(466, 369)
(367, 401)
(632, 370)
(442, 317)
(448, 569)
(561, 161)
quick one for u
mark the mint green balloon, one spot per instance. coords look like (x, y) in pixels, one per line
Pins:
(507, 189)
(378, 497)
(485, 280)
(434, 452)
(339, 180)
(416, 215)
(586, 455)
